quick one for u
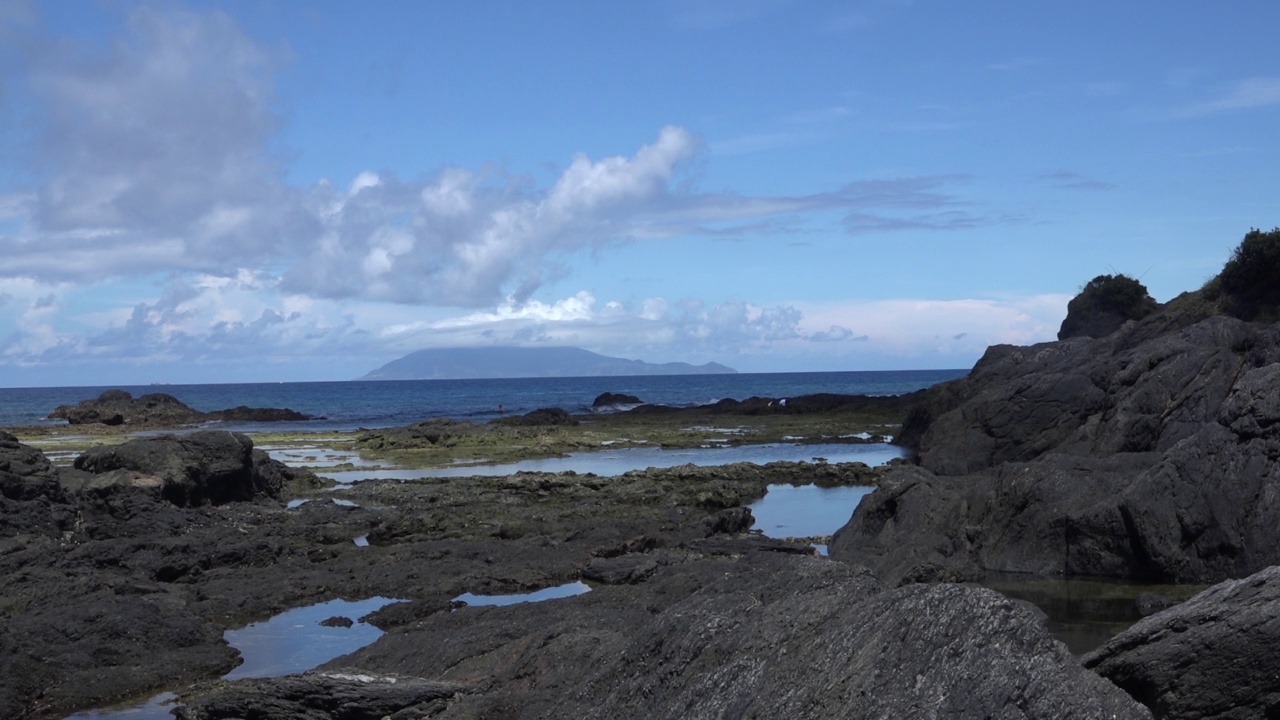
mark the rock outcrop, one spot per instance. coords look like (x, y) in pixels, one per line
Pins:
(1148, 454)
(327, 696)
(1105, 304)
(154, 410)
(206, 467)
(1213, 656)
(615, 400)
(750, 634)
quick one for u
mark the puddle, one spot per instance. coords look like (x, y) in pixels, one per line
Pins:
(822, 549)
(362, 541)
(299, 502)
(1085, 614)
(315, 456)
(551, 593)
(157, 708)
(805, 510)
(608, 463)
(292, 642)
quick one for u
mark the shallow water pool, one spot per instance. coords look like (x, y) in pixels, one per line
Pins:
(614, 462)
(292, 642)
(799, 511)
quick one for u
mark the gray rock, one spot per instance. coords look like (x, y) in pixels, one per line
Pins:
(1148, 454)
(324, 696)
(32, 499)
(117, 407)
(207, 467)
(760, 636)
(1213, 656)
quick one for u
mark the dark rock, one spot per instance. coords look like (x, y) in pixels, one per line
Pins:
(1106, 303)
(1149, 603)
(628, 569)
(438, 431)
(1213, 656)
(541, 416)
(242, 413)
(610, 399)
(729, 521)
(32, 498)
(761, 636)
(338, 621)
(25, 472)
(324, 696)
(1148, 454)
(117, 407)
(210, 466)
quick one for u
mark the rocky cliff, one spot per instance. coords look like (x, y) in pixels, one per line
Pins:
(1149, 453)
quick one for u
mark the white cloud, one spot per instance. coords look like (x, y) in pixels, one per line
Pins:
(157, 154)
(1246, 94)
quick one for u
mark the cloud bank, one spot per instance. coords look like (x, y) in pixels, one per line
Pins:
(155, 224)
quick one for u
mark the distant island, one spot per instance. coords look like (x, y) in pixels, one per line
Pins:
(514, 362)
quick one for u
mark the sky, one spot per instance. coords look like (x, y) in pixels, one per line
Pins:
(272, 190)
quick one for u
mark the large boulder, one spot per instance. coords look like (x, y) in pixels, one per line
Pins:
(32, 500)
(207, 467)
(1213, 656)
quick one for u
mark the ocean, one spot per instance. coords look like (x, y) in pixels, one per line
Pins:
(348, 405)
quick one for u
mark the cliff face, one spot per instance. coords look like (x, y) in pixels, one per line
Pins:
(1149, 453)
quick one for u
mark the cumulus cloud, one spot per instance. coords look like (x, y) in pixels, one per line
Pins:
(156, 221)
(155, 155)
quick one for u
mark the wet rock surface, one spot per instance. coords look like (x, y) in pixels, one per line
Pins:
(160, 410)
(1213, 656)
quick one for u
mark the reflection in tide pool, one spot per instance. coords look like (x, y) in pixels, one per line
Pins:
(616, 462)
(294, 641)
(551, 593)
(157, 708)
(805, 510)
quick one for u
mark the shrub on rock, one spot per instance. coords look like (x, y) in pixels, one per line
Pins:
(1249, 285)
(1104, 304)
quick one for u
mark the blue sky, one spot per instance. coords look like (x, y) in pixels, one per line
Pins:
(275, 190)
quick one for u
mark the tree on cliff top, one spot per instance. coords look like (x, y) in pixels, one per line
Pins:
(1104, 304)
(1249, 285)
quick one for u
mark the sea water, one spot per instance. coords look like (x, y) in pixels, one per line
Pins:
(354, 404)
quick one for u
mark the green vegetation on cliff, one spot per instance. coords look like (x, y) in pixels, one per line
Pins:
(1104, 304)
(1249, 285)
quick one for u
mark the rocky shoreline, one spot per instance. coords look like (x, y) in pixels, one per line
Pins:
(1143, 448)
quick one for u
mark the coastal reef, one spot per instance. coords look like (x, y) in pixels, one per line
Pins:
(160, 410)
